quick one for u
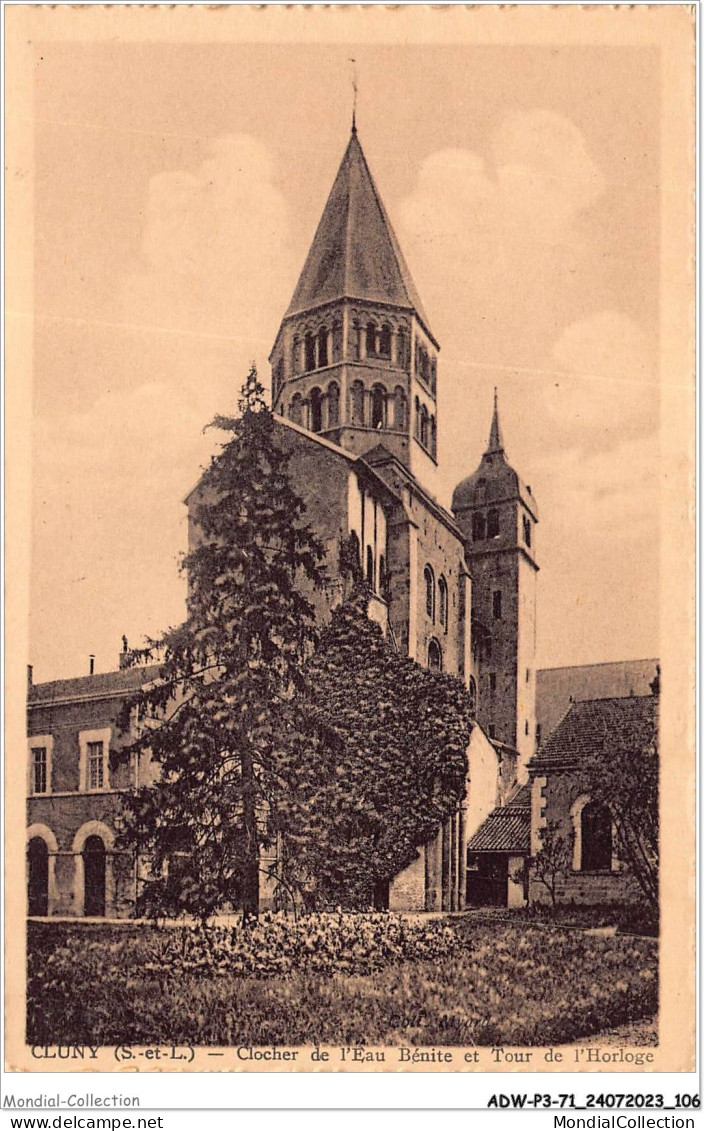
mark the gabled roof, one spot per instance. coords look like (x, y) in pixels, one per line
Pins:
(507, 828)
(595, 726)
(355, 252)
(105, 685)
(557, 688)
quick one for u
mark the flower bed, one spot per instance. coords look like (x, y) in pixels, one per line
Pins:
(374, 980)
(320, 944)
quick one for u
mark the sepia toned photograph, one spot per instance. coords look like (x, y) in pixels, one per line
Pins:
(350, 539)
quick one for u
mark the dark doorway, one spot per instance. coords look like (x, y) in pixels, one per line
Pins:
(381, 895)
(487, 880)
(94, 877)
(37, 877)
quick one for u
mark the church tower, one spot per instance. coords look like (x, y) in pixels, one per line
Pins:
(355, 358)
(497, 515)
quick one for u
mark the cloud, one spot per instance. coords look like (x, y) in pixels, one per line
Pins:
(604, 387)
(215, 247)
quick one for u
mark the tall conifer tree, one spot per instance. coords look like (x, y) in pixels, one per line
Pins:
(211, 720)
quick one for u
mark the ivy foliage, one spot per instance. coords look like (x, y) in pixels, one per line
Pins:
(384, 765)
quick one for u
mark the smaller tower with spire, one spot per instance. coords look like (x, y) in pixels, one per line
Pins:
(497, 515)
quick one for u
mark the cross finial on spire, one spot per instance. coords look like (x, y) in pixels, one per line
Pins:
(496, 443)
(354, 96)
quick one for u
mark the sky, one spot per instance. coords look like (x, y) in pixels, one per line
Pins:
(177, 189)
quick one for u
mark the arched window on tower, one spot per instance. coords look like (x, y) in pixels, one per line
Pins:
(526, 530)
(310, 353)
(478, 527)
(433, 375)
(433, 438)
(424, 426)
(443, 612)
(295, 411)
(357, 397)
(400, 406)
(434, 656)
(337, 341)
(402, 348)
(278, 377)
(378, 407)
(416, 422)
(429, 578)
(385, 342)
(322, 347)
(316, 410)
(492, 524)
(333, 404)
(296, 355)
(596, 839)
(371, 339)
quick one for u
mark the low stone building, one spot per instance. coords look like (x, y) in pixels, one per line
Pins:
(562, 780)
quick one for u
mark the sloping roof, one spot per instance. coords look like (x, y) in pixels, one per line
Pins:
(507, 828)
(594, 726)
(557, 688)
(355, 252)
(105, 684)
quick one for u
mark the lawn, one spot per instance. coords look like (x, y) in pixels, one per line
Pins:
(490, 983)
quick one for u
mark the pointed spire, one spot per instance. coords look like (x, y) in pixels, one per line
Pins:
(355, 253)
(496, 441)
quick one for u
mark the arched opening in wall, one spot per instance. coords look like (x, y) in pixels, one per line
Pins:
(94, 877)
(597, 836)
(370, 568)
(37, 877)
(429, 579)
(424, 426)
(371, 339)
(416, 422)
(434, 656)
(385, 342)
(402, 349)
(357, 397)
(278, 377)
(443, 616)
(472, 695)
(400, 406)
(295, 411)
(433, 374)
(383, 577)
(433, 437)
(333, 404)
(478, 527)
(310, 352)
(492, 524)
(526, 530)
(296, 355)
(322, 347)
(337, 341)
(356, 341)
(316, 410)
(378, 407)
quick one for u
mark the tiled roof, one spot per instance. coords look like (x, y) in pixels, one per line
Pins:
(557, 688)
(355, 252)
(507, 828)
(595, 726)
(504, 830)
(93, 686)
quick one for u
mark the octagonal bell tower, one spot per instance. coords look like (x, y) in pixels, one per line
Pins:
(355, 358)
